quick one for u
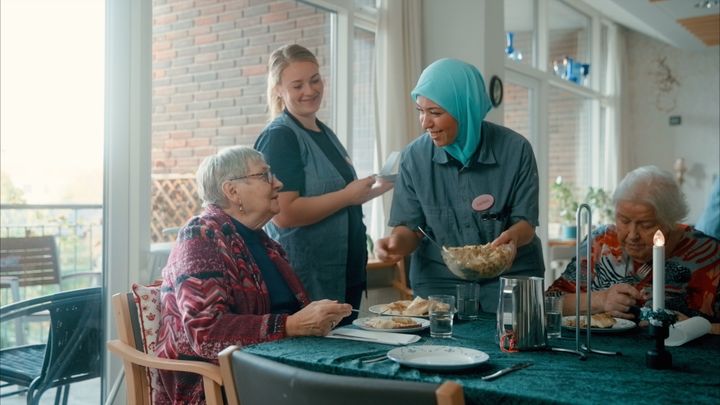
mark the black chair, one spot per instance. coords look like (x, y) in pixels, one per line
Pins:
(73, 350)
(255, 380)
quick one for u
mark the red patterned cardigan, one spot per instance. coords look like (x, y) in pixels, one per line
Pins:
(212, 296)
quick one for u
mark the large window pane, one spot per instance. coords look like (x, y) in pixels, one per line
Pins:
(364, 134)
(209, 86)
(569, 39)
(569, 157)
(520, 30)
(52, 82)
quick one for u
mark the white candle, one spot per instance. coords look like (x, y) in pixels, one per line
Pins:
(658, 271)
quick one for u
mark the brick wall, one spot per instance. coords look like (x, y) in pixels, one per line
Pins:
(209, 72)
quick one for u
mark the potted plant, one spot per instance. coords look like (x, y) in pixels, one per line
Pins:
(566, 204)
(601, 202)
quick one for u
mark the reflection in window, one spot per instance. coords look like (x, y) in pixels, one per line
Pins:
(569, 39)
(520, 30)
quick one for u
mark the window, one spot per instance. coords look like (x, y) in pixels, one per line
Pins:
(209, 69)
(520, 30)
(209, 87)
(572, 136)
(569, 42)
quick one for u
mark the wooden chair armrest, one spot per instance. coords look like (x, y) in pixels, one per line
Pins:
(132, 355)
(450, 393)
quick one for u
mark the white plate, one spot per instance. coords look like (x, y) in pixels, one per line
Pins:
(380, 310)
(424, 323)
(438, 357)
(621, 325)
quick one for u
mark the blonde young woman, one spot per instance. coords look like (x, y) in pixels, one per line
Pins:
(320, 222)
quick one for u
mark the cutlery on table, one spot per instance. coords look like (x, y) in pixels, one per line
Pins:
(506, 370)
(373, 359)
(369, 339)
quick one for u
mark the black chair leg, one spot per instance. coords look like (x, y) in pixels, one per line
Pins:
(62, 391)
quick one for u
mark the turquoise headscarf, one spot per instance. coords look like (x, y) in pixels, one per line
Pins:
(458, 88)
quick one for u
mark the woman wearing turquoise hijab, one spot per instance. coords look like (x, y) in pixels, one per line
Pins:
(467, 182)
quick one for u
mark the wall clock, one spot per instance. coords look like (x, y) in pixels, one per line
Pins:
(496, 91)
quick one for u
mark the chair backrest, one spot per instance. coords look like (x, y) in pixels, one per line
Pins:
(74, 347)
(33, 260)
(128, 320)
(285, 384)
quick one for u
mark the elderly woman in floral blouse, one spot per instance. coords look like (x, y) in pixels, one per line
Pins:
(646, 200)
(226, 282)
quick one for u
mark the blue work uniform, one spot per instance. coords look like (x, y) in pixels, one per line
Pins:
(436, 192)
(328, 256)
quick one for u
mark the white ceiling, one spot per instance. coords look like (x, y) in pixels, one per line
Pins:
(657, 19)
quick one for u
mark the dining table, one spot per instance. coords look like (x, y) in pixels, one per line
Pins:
(553, 377)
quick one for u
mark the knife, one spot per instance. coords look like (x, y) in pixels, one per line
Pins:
(506, 370)
(346, 336)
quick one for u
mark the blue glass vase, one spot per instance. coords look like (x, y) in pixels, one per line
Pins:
(509, 50)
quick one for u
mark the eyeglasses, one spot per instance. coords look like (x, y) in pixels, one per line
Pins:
(268, 176)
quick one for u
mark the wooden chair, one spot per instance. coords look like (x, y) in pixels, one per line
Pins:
(137, 362)
(254, 380)
(33, 260)
(399, 282)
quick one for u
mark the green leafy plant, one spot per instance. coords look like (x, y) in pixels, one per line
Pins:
(601, 202)
(566, 203)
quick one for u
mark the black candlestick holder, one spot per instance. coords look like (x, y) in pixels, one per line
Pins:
(660, 321)
(659, 358)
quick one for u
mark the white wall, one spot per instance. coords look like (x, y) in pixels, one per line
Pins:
(697, 97)
(470, 30)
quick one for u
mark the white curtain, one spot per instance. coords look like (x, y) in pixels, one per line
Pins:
(614, 73)
(398, 65)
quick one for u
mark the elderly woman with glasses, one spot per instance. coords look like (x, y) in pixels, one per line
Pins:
(647, 200)
(226, 282)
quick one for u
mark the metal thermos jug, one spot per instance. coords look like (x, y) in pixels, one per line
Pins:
(520, 316)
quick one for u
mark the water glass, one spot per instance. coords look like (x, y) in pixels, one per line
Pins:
(442, 310)
(553, 316)
(468, 301)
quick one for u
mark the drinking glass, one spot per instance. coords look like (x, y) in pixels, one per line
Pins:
(553, 316)
(468, 301)
(442, 309)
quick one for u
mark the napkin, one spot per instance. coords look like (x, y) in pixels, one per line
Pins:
(388, 171)
(687, 330)
(388, 338)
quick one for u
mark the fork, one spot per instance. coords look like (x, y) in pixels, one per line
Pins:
(642, 272)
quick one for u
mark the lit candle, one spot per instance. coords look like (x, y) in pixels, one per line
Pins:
(658, 271)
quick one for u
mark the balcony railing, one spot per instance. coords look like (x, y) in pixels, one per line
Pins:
(78, 233)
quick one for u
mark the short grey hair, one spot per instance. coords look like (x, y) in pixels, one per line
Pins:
(651, 185)
(216, 169)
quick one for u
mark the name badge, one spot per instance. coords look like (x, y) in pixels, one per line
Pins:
(483, 202)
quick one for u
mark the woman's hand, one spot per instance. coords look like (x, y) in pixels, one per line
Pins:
(361, 191)
(617, 300)
(317, 318)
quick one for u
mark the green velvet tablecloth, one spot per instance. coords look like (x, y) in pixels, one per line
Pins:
(553, 378)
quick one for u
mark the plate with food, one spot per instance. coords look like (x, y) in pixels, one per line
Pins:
(402, 324)
(602, 323)
(438, 357)
(417, 307)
